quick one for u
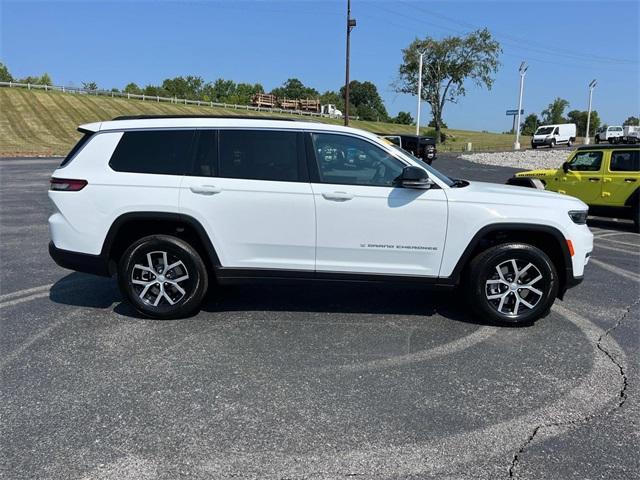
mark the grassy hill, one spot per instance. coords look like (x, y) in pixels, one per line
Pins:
(35, 122)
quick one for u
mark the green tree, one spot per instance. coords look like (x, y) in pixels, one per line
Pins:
(5, 75)
(244, 92)
(90, 85)
(432, 124)
(189, 87)
(155, 91)
(45, 79)
(294, 89)
(448, 64)
(132, 88)
(530, 124)
(403, 118)
(555, 111)
(334, 98)
(629, 121)
(365, 97)
(220, 91)
(580, 119)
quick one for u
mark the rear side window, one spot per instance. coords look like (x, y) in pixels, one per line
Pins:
(259, 155)
(163, 152)
(76, 148)
(628, 161)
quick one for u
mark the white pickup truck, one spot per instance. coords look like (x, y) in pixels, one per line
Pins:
(612, 134)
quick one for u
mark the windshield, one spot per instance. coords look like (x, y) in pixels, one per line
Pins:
(440, 176)
(544, 131)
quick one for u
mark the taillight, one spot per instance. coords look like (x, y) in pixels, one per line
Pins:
(66, 184)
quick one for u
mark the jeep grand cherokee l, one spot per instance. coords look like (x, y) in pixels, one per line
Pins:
(173, 205)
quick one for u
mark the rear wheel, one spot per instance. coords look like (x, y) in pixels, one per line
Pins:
(512, 283)
(163, 277)
(569, 143)
(597, 139)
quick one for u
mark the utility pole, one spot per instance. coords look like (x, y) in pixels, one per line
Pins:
(419, 93)
(592, 85)
(523, 70)
(351, 23)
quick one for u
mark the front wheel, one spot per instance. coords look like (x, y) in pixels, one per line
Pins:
(552, 144)
(512, 284)
(163, 277)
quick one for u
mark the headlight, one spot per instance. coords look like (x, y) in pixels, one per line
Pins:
(579, 217)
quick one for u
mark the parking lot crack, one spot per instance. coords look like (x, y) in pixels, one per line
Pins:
(622, 394)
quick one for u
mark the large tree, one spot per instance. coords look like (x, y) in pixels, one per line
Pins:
(632, 121)
(189, 87)
(447, 65)
(403, 118)
(580, 119)
(365, 98)
(555, 111)
(5, 75)
(530, 124)
(294, 89)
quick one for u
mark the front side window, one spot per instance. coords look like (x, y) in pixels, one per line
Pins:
(586, 162)
(628, 161)
(161, 152)
(347, 160)
(259, 155)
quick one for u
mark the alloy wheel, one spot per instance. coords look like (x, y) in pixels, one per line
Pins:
(162, 280)
(514, 287)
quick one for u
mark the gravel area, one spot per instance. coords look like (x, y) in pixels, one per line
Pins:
(524, 159)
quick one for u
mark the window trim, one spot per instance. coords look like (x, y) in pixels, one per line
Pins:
(312, 159)
(303, 171)
(630, 150)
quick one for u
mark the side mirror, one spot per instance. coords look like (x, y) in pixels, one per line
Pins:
(414, 177)
(565, 167)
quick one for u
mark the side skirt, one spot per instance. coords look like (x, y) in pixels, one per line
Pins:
(238, 276)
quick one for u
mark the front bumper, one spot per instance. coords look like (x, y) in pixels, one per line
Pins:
(80, 262)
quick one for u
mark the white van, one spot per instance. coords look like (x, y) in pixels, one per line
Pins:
(552, 135)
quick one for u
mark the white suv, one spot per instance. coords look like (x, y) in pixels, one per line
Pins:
(175, 204)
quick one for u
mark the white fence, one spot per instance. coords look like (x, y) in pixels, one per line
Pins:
(158, 99)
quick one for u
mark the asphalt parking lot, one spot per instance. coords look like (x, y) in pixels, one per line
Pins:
(310, 382)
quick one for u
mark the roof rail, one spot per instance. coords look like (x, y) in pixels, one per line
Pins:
(231, 117)
(606, 146)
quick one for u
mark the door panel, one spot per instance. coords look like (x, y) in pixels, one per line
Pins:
(257, 221)
(584, 178)
(622, 177)
(365, 224)
(380, 229)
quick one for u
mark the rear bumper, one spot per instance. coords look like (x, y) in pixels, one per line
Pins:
(80, 262)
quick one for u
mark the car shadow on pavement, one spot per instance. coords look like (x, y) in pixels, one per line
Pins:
(89, 291)
(611, 224)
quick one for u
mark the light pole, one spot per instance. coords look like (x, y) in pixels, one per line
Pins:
(592, 85)
(421, 54)
(523, 71)
(351, 23)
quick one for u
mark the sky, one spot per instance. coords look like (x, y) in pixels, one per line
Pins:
(565, 43)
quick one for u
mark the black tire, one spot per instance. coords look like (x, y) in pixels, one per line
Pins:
(597, 139)
(552, 144)
(483, 269)
(569, 143)
(534, 146)
(153, 286)
(636, 217)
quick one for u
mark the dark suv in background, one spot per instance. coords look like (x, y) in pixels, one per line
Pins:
(421, 146)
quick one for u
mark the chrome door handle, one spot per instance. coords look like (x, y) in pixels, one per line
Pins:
(629, 180)
(205, 189)
(337, 196)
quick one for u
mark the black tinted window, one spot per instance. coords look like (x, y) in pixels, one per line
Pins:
(259, 155)
(628, 161)
(154, 151)
(85, 138)
(586, 162)
(206, 157)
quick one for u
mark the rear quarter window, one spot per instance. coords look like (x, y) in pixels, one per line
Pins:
(625, 161)
(161, 152)
(77, 147)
